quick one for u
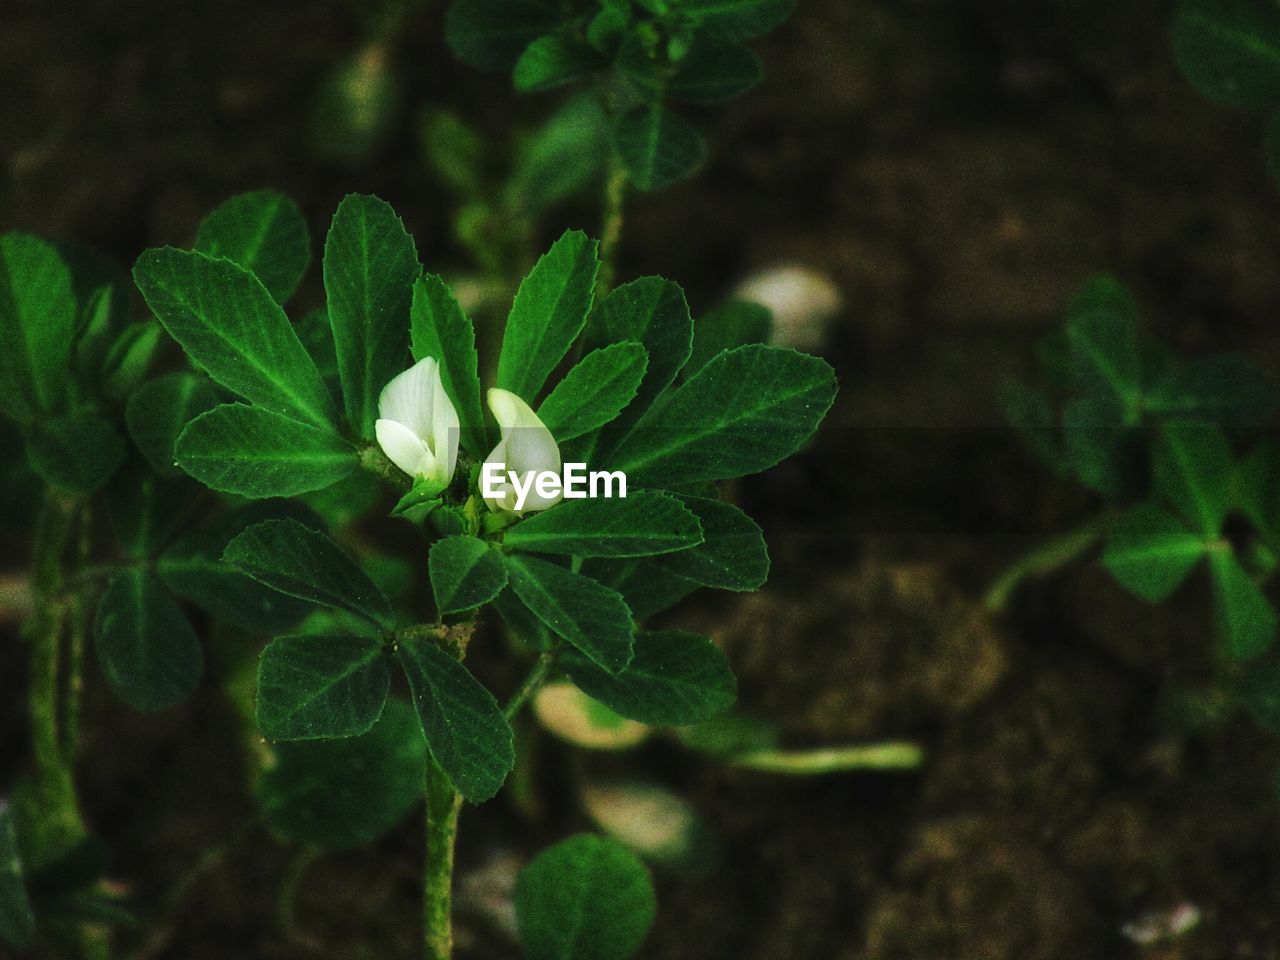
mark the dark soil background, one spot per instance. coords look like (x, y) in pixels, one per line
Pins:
(958, 167)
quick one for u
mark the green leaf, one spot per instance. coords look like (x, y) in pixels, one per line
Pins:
(465, 573)
(594, 392)
(1150, 552)
(1103, 337)
(317, 338)
(654, 313)
(37, 325)
(491, 34)
(1194, 472)
(522, 623)
(149, 654)
(1030, 413)
(265, 233)
(17, 920)
(646, 522)
(297, 560)
(586, 898)
(145, 508)
(1099, 447)
(256, 453)
(1229, 390)
(194, 569)
(158, 411)
(1246, 621)
(743, 412)
(443, 331)
(563, 157)
(552, 61)
(1230, 50)
(675, 678)
(735, 324)
(645, 583)
(737, 20)
(714, 73)
(343, 794)
(318, 687)
(231, 328)
(78, 452)
(370, 264)
(356, 106)
(658, 147)
(732, 555)
(549, 312)
(590, 616)
(1257, 480)
(129, 358)
(466, 732)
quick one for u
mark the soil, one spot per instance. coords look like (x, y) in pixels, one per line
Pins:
(957, 168)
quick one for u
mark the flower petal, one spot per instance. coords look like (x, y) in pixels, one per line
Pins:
(402, 446)
(444, 429)
(527, 446)
(410, 397)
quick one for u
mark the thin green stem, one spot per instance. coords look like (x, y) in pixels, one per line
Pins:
(615, 195)
(1048, 557)
(78, 634)
(444, 804)
(536, 678)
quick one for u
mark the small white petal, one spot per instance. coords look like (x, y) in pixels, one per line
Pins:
(401, 445)
(410, 397)
(527, 446)
(444, 429)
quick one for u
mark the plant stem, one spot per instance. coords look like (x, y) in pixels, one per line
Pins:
(1048, 557)
(536, 678)
(60, 824)
(615, 195)
(444, 803)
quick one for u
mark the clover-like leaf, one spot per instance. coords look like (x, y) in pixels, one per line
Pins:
(1230, 50)
(594, 391)
(743, 412)
(736, 20)
(732, 555)
(553, 61)
(159, 410)
(229, 325)
(37, 323)
(347, 793)
(1150, 552)
(78, 452)
(657, 146)
(593, 618)
(465, 730)
(642, 524)
(586, 898)
(465, 573)
(675, 678)
(149, 653)
(1246, 620)
(491, 34)
(265, 233)
(549, 312)
(1194, 471)
(302, 562)
(253, 452)
(317, 687)
(443, 331)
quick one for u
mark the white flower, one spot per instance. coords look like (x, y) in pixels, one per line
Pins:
(418, 426)
(526, 448)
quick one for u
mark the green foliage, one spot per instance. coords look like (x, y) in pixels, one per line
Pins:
(736, 323)
(253, 452)
(732, 555)
(1230, 52)
(340, 794)
(465, 573)
(640, 55)
(265, 233)
(78, 452)
(17, 919)
(675, 678)
(316, 687)
(229, 326)
(440, 329)
(37, 320)
(370, 265)
(549, 312)
(466, 732)
(148, 651)
(595, 391)
(302, 562)
(1159, 438)
(160, 409)
(586, 898)
(743, 412)
(645, 523)
(591, 617)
